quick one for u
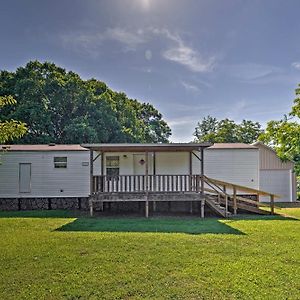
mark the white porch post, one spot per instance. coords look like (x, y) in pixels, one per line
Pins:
(147, 184)
(154, 179)
(91, 172)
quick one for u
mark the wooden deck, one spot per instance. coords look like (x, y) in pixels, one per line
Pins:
(222, 197)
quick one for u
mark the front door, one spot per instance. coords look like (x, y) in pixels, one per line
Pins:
(139, 164)
(24, 178)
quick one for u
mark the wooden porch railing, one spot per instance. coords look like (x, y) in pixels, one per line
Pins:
(228, 194)
(146, 183)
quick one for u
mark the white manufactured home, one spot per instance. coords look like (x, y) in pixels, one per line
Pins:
(28, 171)
(75, 171)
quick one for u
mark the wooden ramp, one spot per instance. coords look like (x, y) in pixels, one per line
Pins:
(220, 207)
(225, 199)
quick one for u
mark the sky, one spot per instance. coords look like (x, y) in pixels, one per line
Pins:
(234, 59)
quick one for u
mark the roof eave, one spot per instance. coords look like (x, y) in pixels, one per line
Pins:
(146, 147)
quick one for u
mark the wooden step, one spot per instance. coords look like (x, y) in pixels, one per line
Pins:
(215, 206)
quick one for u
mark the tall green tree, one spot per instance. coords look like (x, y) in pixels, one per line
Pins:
(60, 107)
(209, 129)
(156, 129)
(284, 135)
(248, 131)
(227, 132)
(206, 129)
(10, 129)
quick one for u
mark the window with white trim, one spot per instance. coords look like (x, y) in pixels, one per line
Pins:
(60, 162)
(112, 166)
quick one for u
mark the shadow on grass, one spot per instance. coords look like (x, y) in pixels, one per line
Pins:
(162, 225)
(189, 225)
(42, 214)
(253, 217)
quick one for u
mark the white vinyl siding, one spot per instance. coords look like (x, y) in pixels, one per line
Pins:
(278, 182)
(172, 163)
(239, 166)
(276, 176)
(46, 181)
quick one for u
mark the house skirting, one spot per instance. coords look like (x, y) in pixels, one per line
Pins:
(43, 203)
(74, 203)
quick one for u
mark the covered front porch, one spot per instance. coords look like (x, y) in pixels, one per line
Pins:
(150, 174)
(147, 173)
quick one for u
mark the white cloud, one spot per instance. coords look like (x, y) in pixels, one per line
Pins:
(181, 121)
(90, 42)
(185, 55)
(131, 39)
(203, 83)
(83, 43)
(176, 49)
(238, 109)
(296, 65)
(189, 58)
(193, 109)
(251, 71)
(190, 87)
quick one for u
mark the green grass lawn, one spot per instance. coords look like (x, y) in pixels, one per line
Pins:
(61, 255)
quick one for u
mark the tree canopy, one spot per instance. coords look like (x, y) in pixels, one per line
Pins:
(209, 129)
(10, 129)
(284, 135)
(60, 107)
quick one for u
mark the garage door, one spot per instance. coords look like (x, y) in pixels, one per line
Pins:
(277, 182)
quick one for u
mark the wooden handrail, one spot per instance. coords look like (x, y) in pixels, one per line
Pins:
(235, 187)
(243, 199)
(241, 187)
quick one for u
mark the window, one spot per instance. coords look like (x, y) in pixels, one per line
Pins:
(60, 162)
(112, 166)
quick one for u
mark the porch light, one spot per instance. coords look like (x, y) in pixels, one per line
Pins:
(142, 161)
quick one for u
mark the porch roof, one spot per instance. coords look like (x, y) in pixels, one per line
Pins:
(147, 147)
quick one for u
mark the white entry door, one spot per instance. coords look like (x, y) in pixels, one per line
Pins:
(139, 164)
(24, 178)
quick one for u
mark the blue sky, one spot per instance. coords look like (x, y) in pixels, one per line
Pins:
(189, 58)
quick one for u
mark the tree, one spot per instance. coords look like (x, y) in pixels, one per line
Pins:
(60, 107)
(226, 131)
(156, 129)
(206, 130)
(10, 129)
(248, 131)
(284, 135)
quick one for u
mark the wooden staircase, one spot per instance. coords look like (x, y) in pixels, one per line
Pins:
(218, 208)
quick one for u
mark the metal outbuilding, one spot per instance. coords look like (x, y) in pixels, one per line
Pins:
(276, 175)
